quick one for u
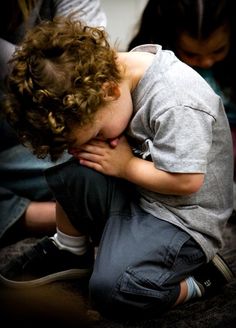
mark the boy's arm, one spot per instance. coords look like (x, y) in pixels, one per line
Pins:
(120, 161)
(144, 174)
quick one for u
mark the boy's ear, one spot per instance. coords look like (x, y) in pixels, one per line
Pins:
(111, 91)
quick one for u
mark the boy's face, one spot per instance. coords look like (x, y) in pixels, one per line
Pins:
(204, 53)
(109, 122)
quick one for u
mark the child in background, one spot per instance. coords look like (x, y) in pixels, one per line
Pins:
(151, 180)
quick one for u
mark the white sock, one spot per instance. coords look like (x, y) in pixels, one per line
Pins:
(76, 245)
(194, 291)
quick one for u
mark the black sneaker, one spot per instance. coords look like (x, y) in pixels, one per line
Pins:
(44, 263)
(212, 276)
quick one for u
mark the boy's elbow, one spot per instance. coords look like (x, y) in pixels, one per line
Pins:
(191, 184)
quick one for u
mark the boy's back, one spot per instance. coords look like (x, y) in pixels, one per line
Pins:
(192, 136)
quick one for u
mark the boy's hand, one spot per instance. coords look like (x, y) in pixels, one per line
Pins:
(109, 157)
(114, 157)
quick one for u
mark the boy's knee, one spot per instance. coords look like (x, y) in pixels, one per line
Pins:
(70, 173)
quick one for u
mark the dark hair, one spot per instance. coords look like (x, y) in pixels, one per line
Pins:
(163, 20)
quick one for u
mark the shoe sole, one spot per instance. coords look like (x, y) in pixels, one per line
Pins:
(63, 275)
(223, 267)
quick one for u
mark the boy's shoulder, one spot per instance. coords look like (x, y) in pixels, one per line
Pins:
(151, 48)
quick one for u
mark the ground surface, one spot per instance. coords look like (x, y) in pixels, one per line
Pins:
(65, 304)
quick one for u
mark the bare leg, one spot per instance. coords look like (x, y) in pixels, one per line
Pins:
(183, 293)
(40, 217)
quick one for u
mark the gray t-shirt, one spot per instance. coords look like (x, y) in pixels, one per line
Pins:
(181, 124)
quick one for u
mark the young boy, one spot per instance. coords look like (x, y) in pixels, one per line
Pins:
(151, 180)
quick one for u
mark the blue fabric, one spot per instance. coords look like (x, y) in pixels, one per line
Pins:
(21, 181)
(193, 289)
(141, 259)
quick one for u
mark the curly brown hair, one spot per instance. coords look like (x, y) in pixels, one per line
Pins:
(56, 80)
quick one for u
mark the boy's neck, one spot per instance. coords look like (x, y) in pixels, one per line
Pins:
(135, 65)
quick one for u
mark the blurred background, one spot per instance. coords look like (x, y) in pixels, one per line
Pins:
(122, 20)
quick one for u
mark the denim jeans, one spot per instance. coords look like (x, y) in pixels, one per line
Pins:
(141, 259)
(22, 180)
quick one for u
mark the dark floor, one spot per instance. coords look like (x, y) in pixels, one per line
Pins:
(65, 304)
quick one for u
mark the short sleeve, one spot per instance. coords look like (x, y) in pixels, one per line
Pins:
(182, 139)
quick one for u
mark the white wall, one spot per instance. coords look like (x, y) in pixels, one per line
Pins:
(122, 20)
